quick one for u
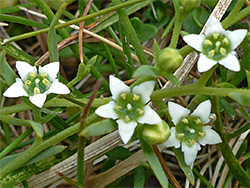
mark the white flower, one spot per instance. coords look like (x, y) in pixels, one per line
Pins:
(189, 131)
(129, 107)
(36, 84)
(216, 45)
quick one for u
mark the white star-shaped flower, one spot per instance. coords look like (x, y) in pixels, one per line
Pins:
(189, 131)
(216, 46)
(129, 107)
(36, 84)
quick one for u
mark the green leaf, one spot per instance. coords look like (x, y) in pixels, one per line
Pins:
(139, 177)
(109, 163)
(5, 70)
(170, 77)
(119, 153)
(99, 128)
(241, 98)
(248, 78)
(224, 104)
(146, 70)
(157, 50)
(185, 168)
(38, 128)
(244, 113)
(226, 85)
(154, 162)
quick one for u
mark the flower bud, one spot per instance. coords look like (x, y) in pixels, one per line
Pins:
(169, 60)
(187, 6)
(156, 134)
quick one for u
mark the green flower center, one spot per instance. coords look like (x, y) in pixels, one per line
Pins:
(35, 84)
(189, 130)
(129, 107)
(216, 46)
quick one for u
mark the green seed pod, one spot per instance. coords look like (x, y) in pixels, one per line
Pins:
(169, 60)
(187, 6)
(156, 134)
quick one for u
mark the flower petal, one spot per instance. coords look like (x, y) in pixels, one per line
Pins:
(203, 111)
(16, 89)
(211, 137)
(51, 69)
(24, 68)
(176, 111)
(204, 63)
(126, 130)
(195, 41)
(38, 99)
(144, 90)
(117, 87)
(190, 153)
(236, 37)
(58, 88)
(107, 110)
(231, 62)
(149, 117)
(214, 26)
(172, 140)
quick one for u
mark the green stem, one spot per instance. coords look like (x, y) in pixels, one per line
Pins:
(202, 178)
(177, 28)
(80, 160)
(72, 22)
(38, 147)
(233, 164)
(131, 33)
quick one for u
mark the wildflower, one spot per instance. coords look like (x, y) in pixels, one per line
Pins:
(216, 45)
(36, 84)
(189, 131)
(129, 107)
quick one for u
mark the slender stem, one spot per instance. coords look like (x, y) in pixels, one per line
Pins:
(233, 164)
(72, 22)
(177, 28)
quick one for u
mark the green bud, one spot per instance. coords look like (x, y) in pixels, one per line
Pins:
(187, 6)
(169, 60)
(156, 134)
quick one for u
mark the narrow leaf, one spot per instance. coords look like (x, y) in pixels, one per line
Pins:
(241, 98)
(38, 128)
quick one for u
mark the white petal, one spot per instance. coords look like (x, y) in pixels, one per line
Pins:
(107, 110)
(203, 111)
(24, 68)
(126, 130)
(214, 26)
(117, 87)
(190, 153)
(58, 88)
(38, 99)
(195, 41)
(16, 89)
(176, 111)
(204, 64)
(236, 37)
(144, 90)
(51, 69)
(211, 137)
(149, 117)
(231, 62)
(172, 140)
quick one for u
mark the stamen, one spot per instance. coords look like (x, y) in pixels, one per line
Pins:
(223, 51)
(129, 106)
(37, 80)
(43, 74)
(185, 121)
(36, 90)
(123, 96)
(136, 97)
(45, 81)
(202, 134)
(192, 131)
(217, 44)
(32, 74)
(207, 42)
(211, 53)
(140, 111)
(118, 107)
(181, 135)
(225, 41)
(27, 82)
(216, 35)
(198, 121)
